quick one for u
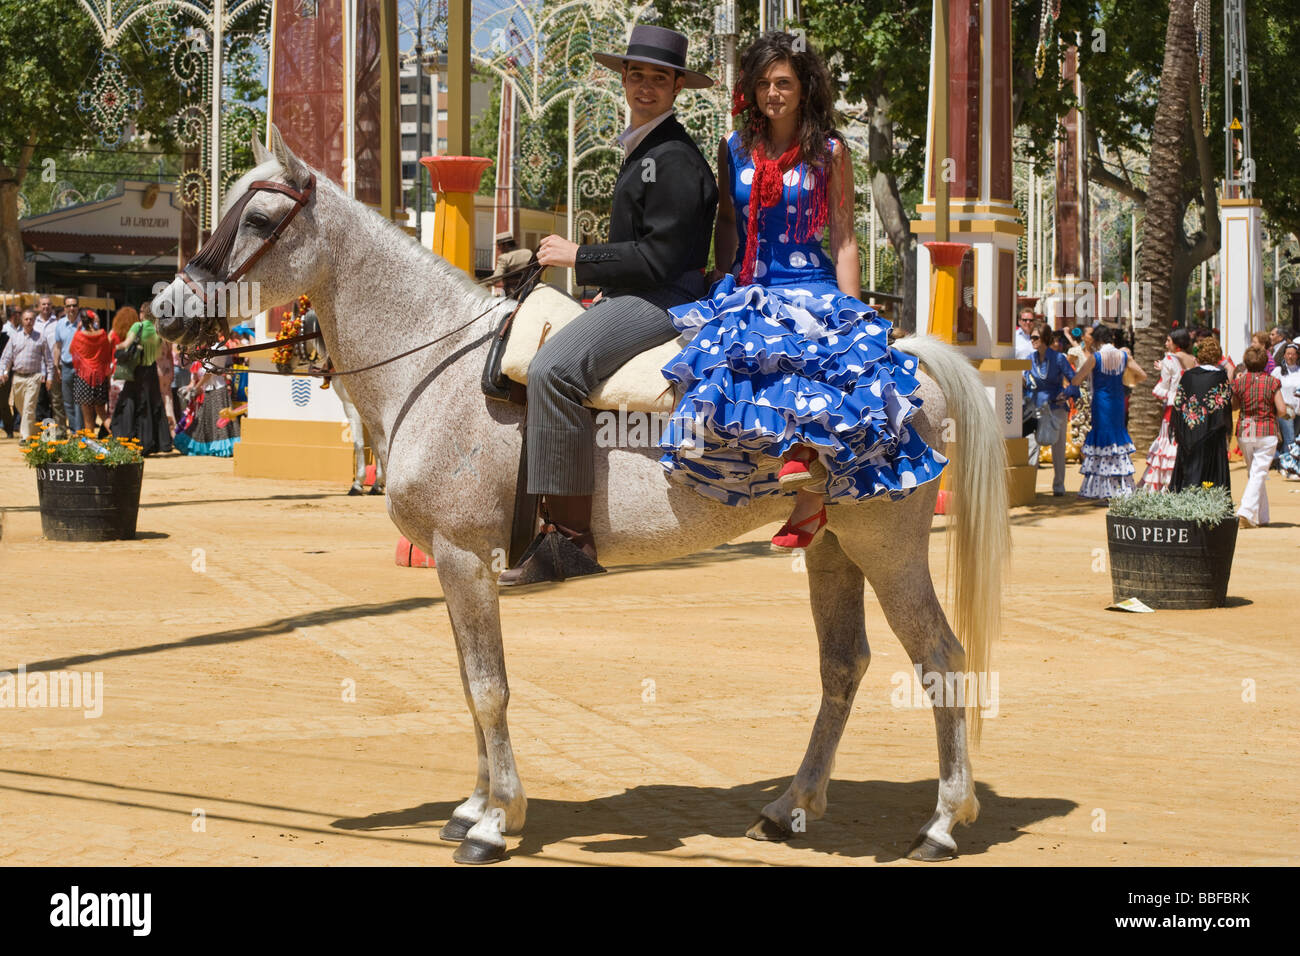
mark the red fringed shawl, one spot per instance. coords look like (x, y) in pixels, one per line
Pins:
(765, 192)
(92, 356)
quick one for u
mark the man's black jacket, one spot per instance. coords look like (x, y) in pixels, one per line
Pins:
(660, 225)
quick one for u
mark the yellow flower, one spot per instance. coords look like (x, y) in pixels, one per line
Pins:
(99, 457)
(1207, 484)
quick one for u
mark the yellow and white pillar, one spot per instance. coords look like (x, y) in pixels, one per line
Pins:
(976, 102)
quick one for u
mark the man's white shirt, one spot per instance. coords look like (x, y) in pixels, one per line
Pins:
(631, 138)
(1024, 347)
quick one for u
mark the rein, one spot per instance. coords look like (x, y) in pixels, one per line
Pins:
(209, 356)
(216, 250)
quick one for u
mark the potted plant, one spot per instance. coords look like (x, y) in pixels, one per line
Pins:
(1172, 550)
(89, 488)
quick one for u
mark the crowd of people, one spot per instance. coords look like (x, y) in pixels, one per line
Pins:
(74, 371)
(1200, 386)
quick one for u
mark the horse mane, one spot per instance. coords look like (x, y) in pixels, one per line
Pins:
(418, 257)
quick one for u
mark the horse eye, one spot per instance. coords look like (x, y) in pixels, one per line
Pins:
(256, 220)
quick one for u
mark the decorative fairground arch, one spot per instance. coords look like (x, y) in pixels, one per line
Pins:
(542, 52)
(205, 52)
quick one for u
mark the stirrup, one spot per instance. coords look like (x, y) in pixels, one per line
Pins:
(552, 556)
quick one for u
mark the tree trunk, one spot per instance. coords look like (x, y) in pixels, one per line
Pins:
(1162, 234)
(889, 208)
(13, 268)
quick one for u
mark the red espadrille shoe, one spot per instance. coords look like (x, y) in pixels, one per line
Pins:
(796, 536)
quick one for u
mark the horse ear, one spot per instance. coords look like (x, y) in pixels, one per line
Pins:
(260, 153)
(293, 167)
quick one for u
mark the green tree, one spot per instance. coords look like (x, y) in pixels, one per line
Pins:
(49, 54)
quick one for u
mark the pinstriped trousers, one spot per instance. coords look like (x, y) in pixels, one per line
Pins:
(561, 431)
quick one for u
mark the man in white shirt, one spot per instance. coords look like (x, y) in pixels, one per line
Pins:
(51, 397)
(1025, 325)
(27, 358)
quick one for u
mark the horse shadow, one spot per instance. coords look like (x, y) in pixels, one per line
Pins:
(875, 819)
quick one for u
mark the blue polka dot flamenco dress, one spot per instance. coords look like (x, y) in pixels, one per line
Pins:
(789, 360)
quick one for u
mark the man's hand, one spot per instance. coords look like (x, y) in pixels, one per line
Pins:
(557, 251)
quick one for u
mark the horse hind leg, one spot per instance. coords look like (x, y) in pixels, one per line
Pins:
(835, 587)
(905, 591)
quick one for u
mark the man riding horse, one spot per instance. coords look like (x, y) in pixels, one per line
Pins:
(659, 233)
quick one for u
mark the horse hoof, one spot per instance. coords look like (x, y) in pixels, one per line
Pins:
(476, 852)
(376, 490)
(768, 831)
(454, 831)
(354, 490)
(929, 851)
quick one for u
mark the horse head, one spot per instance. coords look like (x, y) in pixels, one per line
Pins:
(265, 249)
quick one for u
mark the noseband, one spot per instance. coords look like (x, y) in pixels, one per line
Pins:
(216, 250)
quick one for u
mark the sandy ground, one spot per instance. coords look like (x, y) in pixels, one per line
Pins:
(230, 632)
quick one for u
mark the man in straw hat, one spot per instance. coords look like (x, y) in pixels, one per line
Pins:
(511, 264)
(660, 225)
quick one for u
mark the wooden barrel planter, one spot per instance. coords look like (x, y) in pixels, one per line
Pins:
(1170, 564)
(89, 502)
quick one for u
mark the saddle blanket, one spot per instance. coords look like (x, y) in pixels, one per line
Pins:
(637, 386)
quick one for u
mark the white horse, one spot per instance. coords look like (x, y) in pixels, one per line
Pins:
(378, 293)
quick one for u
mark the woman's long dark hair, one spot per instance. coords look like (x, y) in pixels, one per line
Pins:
(817, 115)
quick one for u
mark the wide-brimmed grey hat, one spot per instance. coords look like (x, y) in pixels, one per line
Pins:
(658, 46)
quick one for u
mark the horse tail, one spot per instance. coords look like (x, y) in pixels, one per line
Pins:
(979, 532)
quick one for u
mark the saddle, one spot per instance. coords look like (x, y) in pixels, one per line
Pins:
(637, 386)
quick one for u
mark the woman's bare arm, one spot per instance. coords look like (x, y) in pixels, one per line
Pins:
(1138, 370)
(724, 233)
(844, 239)
(1084, 368)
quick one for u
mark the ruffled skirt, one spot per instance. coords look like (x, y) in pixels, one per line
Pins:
(768, 368)
(208, 433)
(1288, 460)
(1161, 457)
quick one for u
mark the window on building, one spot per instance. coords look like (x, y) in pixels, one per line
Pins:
(442, 144)
(408, 142)
(409, 114)
(442, 116)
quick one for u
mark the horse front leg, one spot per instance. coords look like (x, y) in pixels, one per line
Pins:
(465, 816)
(498, 805)
(835, 586)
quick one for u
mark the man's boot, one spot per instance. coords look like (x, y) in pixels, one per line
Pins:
(564, 549)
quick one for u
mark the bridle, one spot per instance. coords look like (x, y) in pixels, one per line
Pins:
(215, 251)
